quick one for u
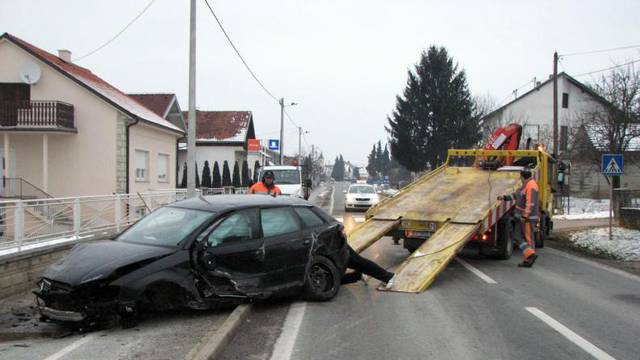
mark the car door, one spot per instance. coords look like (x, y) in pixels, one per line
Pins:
(235, 254)
(285, 247)
(317, 230)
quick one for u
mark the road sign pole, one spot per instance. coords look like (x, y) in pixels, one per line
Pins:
(611, 209)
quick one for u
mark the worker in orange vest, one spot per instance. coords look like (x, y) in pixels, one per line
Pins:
(267, 186)
(526, 216)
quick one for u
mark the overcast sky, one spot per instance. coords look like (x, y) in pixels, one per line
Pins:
(343, 61)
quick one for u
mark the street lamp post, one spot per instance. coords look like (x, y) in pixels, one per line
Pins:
(282, 106)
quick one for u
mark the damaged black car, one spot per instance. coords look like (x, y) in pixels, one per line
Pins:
(199, 253)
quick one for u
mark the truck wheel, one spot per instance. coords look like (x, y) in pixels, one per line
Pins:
(543, 234)
(504, 242)
(323, 280)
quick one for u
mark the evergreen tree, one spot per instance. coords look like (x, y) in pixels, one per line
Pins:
(256, 170)
(197, 177)
(226, 174)
(341, 168)
(371, 162)
(183, 184)
(236, 176)
(216, 179)
(206, 175)
(435, 113)
(386, 162)
(246, 179)
(356, 172)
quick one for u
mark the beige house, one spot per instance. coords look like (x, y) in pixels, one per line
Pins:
(66, 132)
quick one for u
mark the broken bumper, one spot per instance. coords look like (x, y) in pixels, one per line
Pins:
(61, 315)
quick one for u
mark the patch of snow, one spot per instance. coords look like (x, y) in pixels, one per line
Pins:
(625, 244)
(582, 208)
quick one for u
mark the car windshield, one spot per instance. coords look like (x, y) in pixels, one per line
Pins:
(361, 190)
(167, 226)
(286, 177)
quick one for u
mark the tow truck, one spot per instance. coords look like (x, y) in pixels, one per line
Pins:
(438, 214)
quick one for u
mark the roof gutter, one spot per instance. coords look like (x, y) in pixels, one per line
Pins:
(135, 121)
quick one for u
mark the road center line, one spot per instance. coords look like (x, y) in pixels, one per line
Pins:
(569, 334)
(476, 271)
(291, 327)
(74, 345)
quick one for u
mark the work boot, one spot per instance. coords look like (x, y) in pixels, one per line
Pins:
(528, 262)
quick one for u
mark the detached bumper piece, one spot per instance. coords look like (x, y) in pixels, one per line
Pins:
(61, 315)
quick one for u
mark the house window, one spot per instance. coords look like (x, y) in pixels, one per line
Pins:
(163, 168)
(142, 165)
(565, 100)
(564, 137)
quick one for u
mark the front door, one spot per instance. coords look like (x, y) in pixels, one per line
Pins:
(235, 254)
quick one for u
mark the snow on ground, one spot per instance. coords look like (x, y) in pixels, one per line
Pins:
(582, 208)
(625, 244)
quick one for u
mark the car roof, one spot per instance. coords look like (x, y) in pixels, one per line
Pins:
(225, 203)
(280, 167)
(354, 185)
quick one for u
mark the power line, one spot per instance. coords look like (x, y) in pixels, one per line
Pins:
(118, 34)
(609, 68)
(238, 53)
(290, 119)
(600, 51)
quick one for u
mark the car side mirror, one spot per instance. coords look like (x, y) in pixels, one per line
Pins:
(207, 260)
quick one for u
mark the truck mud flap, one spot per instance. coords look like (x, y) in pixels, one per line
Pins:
(367, 233)
(422, 267)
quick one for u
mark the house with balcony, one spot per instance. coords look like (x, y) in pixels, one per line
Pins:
(64, 131)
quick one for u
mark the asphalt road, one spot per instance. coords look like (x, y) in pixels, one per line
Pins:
(563, 308)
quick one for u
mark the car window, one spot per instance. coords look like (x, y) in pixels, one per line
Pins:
(361, 190)
(277, 221)
(309, 218)
(167, 226)
(239, 226)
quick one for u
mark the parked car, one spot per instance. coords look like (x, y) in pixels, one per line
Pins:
(198, 253)
(360, 196)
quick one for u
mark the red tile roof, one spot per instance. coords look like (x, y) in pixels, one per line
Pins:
(95, 84)
(222, 126)
(158, 103)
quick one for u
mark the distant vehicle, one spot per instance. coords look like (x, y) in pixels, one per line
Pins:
(288, 179)
(360, 196)
(198, 253)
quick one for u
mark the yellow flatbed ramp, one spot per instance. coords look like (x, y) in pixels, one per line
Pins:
(458, 198)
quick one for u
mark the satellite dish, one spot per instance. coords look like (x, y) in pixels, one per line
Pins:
(30, 73)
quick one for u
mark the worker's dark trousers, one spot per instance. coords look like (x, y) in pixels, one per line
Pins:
(361, 266)
(524, 236)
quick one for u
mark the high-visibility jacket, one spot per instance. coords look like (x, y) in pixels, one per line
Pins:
(526, 199)
(261, 188)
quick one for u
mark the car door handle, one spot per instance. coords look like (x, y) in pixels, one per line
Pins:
(259, 253)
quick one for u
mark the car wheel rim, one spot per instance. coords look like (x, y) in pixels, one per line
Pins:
(320, 278)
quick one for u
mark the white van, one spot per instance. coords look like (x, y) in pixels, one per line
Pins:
(288, 179)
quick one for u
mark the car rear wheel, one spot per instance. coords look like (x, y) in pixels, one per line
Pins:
(323, 280)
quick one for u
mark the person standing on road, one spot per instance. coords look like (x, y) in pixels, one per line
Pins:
(526, 216)
(267, 186)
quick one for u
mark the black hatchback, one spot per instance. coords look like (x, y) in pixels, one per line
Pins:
(198, 253)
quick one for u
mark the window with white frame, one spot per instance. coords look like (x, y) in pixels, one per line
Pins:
(163, 168)
(142, 165)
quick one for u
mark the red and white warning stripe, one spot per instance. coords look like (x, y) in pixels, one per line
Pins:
(497, 213)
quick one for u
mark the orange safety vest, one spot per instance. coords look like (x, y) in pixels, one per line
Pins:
(527, 200)
(261, 188)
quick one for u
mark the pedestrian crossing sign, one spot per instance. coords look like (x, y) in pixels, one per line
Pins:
(612, 164)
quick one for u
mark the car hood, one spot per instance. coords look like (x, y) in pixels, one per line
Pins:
(362, 196)
(99, 260)
(290, 189)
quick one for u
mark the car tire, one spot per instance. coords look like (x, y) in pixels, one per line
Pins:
(322, 281)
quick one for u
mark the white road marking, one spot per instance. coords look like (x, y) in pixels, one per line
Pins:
(74, 345)
(569, 334)
(476, 271)
(593, 264)
(287, 340)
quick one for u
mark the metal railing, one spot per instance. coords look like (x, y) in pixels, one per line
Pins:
(20, 188)
(25, 222)
(36, 114)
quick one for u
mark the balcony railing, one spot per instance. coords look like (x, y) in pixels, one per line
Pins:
(36, 114)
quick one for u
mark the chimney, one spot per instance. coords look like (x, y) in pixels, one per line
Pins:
(65, 55)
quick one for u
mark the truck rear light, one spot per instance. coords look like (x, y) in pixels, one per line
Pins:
(485, 237)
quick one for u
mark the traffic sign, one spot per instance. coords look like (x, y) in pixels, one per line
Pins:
(612, 164)
(253, 145)
(274, 144)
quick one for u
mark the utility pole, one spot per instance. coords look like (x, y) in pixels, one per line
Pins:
(555, 105)
(299, 145)
(191, 131)
(281, 129)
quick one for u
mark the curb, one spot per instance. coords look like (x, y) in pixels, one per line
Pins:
(214, 342)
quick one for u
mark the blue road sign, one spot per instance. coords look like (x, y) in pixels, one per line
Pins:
(612, 164)
(274, 144)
